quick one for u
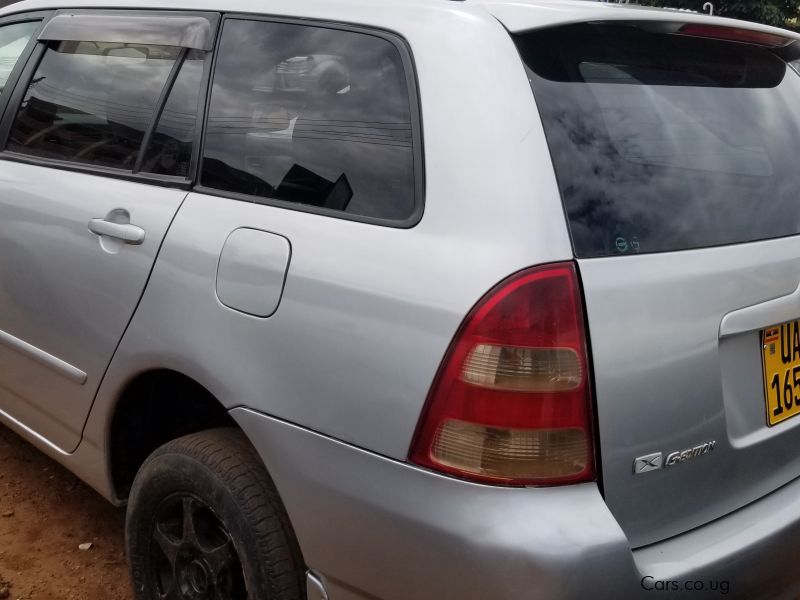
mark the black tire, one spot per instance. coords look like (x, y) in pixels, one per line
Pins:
(237, 543)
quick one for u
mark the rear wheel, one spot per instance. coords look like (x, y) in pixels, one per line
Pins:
(205, 522)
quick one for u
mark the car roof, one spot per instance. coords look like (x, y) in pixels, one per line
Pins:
(515, 15)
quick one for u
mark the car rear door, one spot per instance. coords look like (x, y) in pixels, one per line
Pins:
(97, 144)
(675, 146)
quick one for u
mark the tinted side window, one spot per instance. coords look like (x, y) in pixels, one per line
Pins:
(91, 102)
(312, 116)
(170, 150)
(13, 39)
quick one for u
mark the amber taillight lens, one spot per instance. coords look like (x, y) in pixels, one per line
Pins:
(511, 402)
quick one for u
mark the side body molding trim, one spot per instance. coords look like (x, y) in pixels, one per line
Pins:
(53, 363)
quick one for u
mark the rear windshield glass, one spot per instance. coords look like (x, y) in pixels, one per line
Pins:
(663, 141)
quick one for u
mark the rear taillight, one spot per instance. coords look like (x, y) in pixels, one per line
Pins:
(511, 402)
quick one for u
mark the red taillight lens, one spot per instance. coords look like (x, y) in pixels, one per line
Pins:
(511, 402)
(735, 34)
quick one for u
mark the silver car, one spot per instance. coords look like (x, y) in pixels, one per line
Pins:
(410, 299)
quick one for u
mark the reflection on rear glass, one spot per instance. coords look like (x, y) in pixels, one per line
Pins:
(666, 142)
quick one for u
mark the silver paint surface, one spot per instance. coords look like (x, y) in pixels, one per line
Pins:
(401, 532)
(48, 360)
(252, 270)
(344, 365)
(659, 362)
(64, 298)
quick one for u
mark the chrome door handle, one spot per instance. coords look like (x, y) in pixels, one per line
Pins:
(130, 234)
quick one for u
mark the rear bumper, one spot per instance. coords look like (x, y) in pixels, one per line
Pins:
(755, 549)
(374, 527)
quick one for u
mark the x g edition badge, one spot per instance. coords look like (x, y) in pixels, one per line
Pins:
(651, 462)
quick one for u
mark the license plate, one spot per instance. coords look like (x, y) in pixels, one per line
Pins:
(780, 351)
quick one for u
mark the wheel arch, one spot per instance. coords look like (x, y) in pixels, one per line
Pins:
(153, 408)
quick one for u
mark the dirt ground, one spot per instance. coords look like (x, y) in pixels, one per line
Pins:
(45, 513)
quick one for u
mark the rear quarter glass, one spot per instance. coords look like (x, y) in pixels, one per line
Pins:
(663, 141)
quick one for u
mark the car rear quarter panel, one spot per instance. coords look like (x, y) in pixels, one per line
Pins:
(367, 311)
